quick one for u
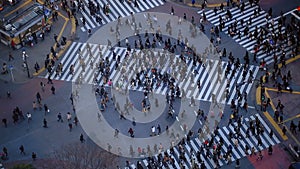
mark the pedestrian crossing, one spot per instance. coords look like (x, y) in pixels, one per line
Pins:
(116, 9)
(190, 149)
(211, 74)
(296, 14)
(255, 22)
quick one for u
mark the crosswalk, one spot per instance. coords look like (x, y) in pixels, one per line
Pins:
(117, 9)
(191, 148)
(255, 23)
(296, 14)
(211, 75)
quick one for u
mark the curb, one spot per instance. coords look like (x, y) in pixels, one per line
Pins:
(58, 56)
(61, 52)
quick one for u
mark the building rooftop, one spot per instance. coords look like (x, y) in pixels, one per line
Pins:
(15, 21)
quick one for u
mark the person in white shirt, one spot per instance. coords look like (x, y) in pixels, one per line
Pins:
(29, 117)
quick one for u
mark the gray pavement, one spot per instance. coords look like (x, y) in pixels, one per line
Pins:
(142, 117)
(201, 44)
(102, 133)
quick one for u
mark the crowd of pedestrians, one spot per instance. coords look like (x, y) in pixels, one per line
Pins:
(270, 41)
(213, 148)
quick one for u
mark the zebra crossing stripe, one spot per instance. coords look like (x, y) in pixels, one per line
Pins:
(239, 80)
(207, 75)
(223, 148)
(175, 161)
(219, 83)
(246, 81)
(77, 67)
(209, 159)
(211, 72)
(196, 149)
(70, 61)
(239, 147)
(116, 9)
(211, 163)
(68, 58)
(142, 6)
(119, 10)
(187, 156)
(132, 166)
(201, 73)
(212, 83)
(90, 75)
(87, 73)
(222, 90)
(115, 78)
(178, 155)
(67, 54)
(247, 138)
(267, 128)
(228, 143)
(231, 86)
(256, 23)
(242, 142)
(211, 150)
(295, 15)
(88, 20)
(253, 137)
(264, 143)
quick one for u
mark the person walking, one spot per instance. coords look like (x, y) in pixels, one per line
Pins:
(284, 130)
(70, 127)
(237, 163)
(72, 98)
(10, 57)
(33, 156)
(252, 151)
(5, 152)
(49, 79)
(259, 141)
(158, 129)
(75, 120)
(38, 97)
(4, 121)
(270, 150)
(42, 86)
(59, 117)
(55, 38)
(131, 132)
(45, 123)
(69, 116)
(22, 150)
(271, 133)
(260, 155)
(29, 117)
(116, 133)
(53, 89)
(81, 138)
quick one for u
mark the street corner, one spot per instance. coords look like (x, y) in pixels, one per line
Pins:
(278, 159)
(64, 33)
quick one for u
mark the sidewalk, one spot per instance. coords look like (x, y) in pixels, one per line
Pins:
(37, 53)
(290, 100)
